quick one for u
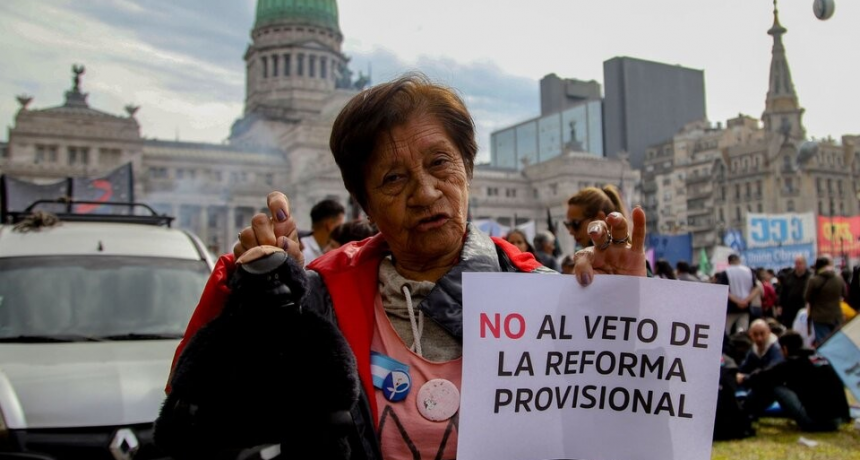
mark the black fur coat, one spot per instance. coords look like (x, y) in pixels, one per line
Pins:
(265, 372)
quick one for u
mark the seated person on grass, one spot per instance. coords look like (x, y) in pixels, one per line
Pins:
(765, 351)
(805, 385)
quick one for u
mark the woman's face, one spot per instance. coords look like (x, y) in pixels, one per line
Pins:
(577, 224)
(418, 190)
(517, 240)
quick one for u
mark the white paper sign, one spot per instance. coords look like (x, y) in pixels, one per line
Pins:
(624, 369)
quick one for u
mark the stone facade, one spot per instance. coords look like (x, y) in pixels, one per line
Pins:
(212, 190)
(70, 140)
(706, 179)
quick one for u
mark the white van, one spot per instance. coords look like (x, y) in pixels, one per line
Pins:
(91, 311)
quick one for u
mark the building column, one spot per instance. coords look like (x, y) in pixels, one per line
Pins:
(203, 227)
(231, 230)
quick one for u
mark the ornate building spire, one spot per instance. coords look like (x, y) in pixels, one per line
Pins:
(782, 113)
(74, 97)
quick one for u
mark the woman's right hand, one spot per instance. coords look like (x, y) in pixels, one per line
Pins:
(268, 234)
(616, 249)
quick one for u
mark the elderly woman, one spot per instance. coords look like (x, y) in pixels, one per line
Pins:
(406, 151)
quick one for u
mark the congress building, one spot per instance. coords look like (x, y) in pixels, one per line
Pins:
(297, 81)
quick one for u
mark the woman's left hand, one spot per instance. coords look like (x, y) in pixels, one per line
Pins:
(617, 250)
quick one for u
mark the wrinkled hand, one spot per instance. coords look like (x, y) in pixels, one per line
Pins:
(268, 234)
(612, 253)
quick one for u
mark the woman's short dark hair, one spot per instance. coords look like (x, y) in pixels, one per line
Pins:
(377, 110)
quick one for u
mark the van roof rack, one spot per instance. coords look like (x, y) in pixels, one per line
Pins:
(69, 214)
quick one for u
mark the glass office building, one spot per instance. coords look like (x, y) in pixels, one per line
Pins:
(579, 129)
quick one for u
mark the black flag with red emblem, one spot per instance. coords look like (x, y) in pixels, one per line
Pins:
(116, 186)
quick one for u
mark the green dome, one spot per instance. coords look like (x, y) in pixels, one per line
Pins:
(320, 13)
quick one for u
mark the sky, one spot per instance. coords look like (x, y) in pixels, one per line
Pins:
(181, 61)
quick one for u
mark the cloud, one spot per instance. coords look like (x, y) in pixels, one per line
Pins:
(191, 50)
(495, 99)
(134, 53)
(216, 31)
(182, 62)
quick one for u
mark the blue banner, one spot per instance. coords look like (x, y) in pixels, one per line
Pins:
(734, 239)
(770, 230)
(777, 257)
(673, 248)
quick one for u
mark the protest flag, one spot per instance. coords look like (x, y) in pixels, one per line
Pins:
(116, 186)
(704, 263)
(842, 349)
(556, 250)
(18, 194)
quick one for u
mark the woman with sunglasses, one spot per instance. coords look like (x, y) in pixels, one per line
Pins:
(591, 204)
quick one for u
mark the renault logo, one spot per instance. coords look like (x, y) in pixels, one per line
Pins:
(124, 445)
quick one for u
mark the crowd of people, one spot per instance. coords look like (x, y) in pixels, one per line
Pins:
(812, 301)
(774, 322)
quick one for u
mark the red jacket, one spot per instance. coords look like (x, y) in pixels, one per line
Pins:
(351, 275)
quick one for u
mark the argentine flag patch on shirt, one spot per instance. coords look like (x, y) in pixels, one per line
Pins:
(390, 376)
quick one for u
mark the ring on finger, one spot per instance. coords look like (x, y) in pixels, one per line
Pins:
(606, 244)
(621, 241)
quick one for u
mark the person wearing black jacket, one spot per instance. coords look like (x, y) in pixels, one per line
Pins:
(805, 385)
(792, 287)
(854, 290)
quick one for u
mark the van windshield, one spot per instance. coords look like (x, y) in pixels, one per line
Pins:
(63, 298)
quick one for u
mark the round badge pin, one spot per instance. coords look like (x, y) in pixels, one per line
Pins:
(438, 400)
(396, 386)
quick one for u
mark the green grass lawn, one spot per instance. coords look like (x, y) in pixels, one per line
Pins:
(777, 439)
